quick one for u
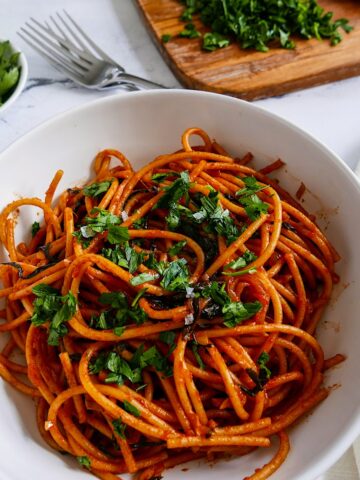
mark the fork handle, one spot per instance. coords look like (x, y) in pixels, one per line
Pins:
(138, 83)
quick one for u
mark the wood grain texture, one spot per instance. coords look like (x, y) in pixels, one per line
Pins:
(249, 74)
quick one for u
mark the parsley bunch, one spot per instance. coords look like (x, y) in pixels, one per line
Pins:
(256, 23)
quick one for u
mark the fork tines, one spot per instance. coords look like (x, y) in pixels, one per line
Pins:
(65, 45)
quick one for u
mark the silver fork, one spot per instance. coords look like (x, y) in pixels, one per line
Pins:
(71, 51)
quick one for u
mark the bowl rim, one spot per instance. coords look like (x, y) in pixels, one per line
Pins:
(22, 79)
(330, 456)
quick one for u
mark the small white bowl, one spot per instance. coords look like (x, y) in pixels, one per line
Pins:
(22, 79)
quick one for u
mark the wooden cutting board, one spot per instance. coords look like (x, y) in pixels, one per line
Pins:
(249, 74)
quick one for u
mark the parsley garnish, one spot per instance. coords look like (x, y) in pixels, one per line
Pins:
(241, 262)
(260, 379)
(119, 369)
(219, 220)
(175, 276)
(35, 227)
(233, 312)
(124, 256)
(194, 348)
(119, 428)
(254, 207)
(96, 189)
(104, 221)
(120, 312)
(50, 306)
(169, 339)
(237, 312)
(143, 278)
(131, 409)
(172, 196)
(84, 461)
(175, 249)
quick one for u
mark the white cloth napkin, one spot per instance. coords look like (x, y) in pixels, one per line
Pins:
(348, 467)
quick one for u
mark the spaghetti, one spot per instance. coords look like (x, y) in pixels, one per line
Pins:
(167, 314)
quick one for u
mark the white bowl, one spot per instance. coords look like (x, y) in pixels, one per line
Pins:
(143, 125)
(22, 79)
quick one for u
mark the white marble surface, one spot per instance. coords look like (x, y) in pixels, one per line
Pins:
(330, 112)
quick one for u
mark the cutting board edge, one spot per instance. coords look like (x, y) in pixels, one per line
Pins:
(191, 82)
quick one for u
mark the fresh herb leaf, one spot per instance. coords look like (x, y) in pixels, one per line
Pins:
(166, 37)
(194, 348)
(243, 261)
(9, 70)
(169, 338)
(212, 41)
(254, 207)
(131, 409)
(260, 379)
(96, 189)
(189, 31)
(160, 177)
(237, 312)
(251, 187)
(119, 428)
(175, 249)
(104, 221)
(256, 23)
(143, 278)
(84, 462)
(151, 357)
(263, 359)
(120, 311)
(50, 307)
(176, 276)
(117, 234)
(35, 227)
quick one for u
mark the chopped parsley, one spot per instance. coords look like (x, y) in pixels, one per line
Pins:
(218, 220)
(175, 249)
(172, 196)
(194, 348)
(104, 222)
(233, 312)
(143, 278)
(96, 189)
(260, 379)
(243, 261)
(84, 462)
(190, 31)
(119, 313)
(166, 37)
(50, 306)
(212, 41)
(9, 70)
(254, 207)
(256, 23)
(131, 409)
(124, 256)
(175, 276)
(120, 370)
(169, 338)
(119, 428)
(35, 227)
